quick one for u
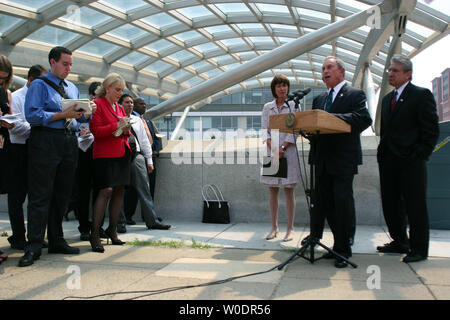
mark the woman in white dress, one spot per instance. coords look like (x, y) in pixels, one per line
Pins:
(285, 147)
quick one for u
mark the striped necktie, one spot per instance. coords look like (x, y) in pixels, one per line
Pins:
(394, 100)
(329, 100)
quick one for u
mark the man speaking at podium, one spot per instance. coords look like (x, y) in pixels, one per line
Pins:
(337, 157)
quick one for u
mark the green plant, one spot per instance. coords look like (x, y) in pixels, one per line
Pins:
(4, 234)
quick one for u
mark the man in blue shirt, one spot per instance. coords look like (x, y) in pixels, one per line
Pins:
(53, 154)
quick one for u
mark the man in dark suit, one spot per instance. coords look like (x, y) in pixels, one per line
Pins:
(337, 157)
(409, 132)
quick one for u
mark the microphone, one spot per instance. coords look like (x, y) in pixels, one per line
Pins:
(298, 94)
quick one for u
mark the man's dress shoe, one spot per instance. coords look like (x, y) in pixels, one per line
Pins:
(131, 222)
(28, 259)
(120, 229)
(339, 263)
(160, 226)
(413, 258)
(393, 247)
(305, 240)
(63, 248)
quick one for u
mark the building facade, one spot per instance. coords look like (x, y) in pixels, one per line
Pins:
(441, 91)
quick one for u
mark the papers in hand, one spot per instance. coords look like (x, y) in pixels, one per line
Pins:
(11, 118)
(82, 104)
(119, 130)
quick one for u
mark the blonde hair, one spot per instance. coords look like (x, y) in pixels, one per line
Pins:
(109, 80)
(5, 66)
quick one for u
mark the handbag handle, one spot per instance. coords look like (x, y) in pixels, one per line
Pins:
(211, 186)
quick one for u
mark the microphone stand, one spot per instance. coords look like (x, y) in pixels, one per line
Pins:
(311, 241)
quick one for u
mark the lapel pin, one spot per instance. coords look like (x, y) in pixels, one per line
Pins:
(341, 95)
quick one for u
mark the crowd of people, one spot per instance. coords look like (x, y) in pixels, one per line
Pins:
(80, 159)
(63, 156)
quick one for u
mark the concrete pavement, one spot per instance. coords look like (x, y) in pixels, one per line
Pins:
(220, 252)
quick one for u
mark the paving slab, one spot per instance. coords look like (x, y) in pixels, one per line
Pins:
(332, 289)
(218, 269)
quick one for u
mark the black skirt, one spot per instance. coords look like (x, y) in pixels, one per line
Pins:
(112, 172)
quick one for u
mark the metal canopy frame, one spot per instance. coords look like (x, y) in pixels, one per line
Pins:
(166, 48)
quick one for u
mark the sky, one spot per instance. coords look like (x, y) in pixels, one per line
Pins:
(430, 63)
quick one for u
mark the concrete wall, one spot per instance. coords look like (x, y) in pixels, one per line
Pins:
(178, 186)
(236, 172)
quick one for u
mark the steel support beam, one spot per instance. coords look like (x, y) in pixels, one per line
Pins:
(395, 48)
(180, 123)
(269, 60)
(369, 88)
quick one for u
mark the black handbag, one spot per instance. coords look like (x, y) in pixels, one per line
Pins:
(215, 210)
(268, 171)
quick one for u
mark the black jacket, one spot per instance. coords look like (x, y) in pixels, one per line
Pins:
(411, 130)
(340, 154)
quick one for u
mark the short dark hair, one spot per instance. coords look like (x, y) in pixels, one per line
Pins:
(123, 97)
(93, 86)
(138, 99)
(279, 78)
(56, 52)
(36, 71)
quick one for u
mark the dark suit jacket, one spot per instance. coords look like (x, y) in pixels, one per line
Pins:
(340, 154)
(411, 130)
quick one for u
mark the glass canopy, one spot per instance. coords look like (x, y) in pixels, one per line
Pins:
(164, 47)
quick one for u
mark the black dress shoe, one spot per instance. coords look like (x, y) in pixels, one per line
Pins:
(339, 263)
(413, 258)
(85, 236)
(305, 240)
(63, 248)
(102, 234)
(28, 259)
(160, 226)
(131, 222)
(120, 229)
(393, 247)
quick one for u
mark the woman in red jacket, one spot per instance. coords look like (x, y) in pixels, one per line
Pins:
(112, 156)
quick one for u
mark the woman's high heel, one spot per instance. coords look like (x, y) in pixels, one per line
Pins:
(115, 242)
(272, 235)
(96, 245)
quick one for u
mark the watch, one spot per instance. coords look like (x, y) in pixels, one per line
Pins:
(283, 147)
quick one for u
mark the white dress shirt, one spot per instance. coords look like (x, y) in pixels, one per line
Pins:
(336, 89)
(142, 143)
(21, 131)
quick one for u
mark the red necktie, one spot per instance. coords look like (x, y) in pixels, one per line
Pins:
(394, 100)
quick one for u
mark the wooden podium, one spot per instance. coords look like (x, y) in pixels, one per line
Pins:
(309, 122)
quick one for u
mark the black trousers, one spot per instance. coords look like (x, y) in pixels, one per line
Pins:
(83, 189)
(318, 219)
(17, 190)
(52, 162)
(403, 184)
(334, 200)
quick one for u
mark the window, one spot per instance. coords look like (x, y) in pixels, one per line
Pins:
(445, 86)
